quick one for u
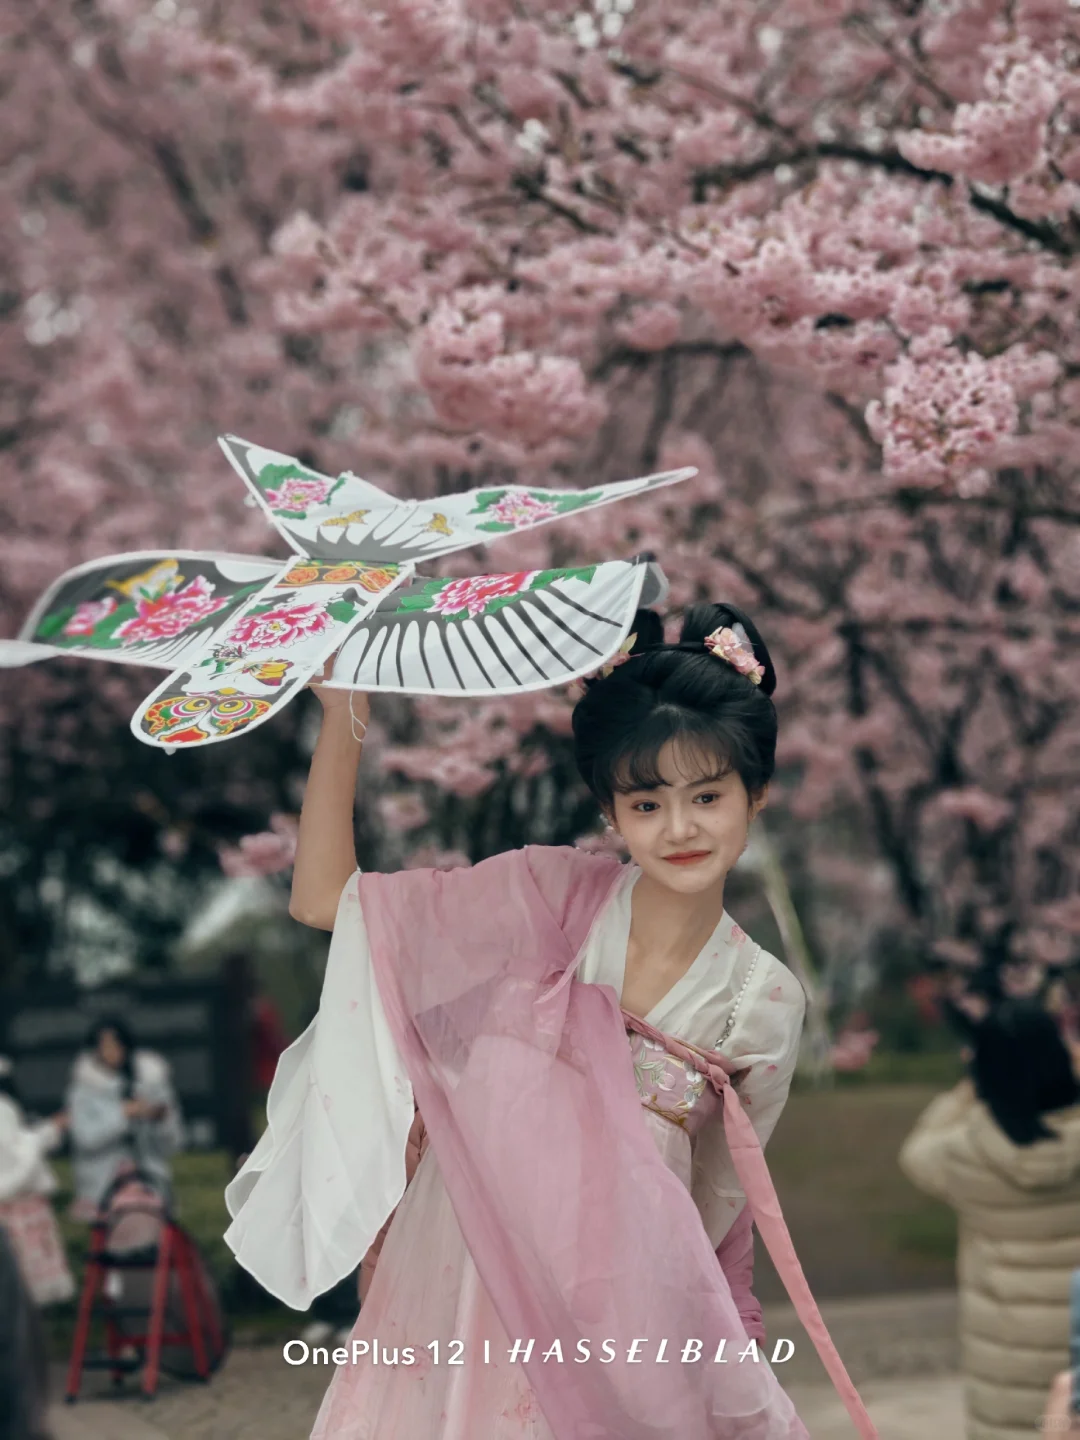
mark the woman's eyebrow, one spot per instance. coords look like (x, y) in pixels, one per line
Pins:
(687, 785)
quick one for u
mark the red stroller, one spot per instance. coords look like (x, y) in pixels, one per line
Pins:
(155, 1292)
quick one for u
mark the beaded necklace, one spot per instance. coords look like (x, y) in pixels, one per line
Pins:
(738, 999)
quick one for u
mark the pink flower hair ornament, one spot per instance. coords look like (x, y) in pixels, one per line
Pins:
(731, 643)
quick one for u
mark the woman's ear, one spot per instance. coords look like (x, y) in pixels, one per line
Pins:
(761, 799)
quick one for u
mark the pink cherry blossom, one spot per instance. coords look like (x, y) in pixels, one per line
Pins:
(403, 811)
(267, 853)
(855, 312)
(987, 811)
(852, 1049)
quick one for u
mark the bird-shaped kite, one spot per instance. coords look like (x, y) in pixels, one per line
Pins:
(241, 634)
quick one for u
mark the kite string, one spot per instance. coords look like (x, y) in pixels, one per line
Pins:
(354, 721)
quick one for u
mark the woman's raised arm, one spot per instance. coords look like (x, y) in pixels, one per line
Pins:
(325, 848)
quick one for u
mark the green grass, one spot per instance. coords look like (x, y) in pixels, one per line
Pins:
(931, 1067)
(929, 1231)
(858, 1225)
(942, 1068)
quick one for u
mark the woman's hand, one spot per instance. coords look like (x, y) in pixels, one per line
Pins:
(339, 699)
(1059, 1419)
(144, 1110)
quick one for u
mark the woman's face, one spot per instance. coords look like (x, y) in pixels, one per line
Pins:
(110, 1049)
(693, 812)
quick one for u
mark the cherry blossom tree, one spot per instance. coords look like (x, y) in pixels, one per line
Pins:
(823, 250)
(136, 213)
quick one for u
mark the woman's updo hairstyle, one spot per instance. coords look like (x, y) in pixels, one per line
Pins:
(677, 692)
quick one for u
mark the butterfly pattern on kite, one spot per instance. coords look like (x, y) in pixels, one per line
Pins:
(241, 635)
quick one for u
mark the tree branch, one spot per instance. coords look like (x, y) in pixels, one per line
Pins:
(628, 355)
(1040, 231)
(533, 189)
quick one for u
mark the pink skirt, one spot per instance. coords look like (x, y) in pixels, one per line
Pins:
(39, 1250)
(427, 1298)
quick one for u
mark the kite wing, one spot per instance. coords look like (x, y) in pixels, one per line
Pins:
(271, 647)
(14, 653)
(490, 633)
(146, 608)
(348, 519)
(294, 497)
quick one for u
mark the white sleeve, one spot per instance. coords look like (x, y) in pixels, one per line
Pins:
(766, 1039)
(22, 1149)
(330, 1166)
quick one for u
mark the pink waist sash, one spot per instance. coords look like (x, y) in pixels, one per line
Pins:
(764, 1205)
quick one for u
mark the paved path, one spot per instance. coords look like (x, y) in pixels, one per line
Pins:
(899, 1349)
(930, 1408)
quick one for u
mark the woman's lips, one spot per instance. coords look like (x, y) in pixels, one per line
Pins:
(688, 859)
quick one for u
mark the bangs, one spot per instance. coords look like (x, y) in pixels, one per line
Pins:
(705, 718)
(701, 752)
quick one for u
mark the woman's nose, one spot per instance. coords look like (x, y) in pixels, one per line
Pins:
(682, 821)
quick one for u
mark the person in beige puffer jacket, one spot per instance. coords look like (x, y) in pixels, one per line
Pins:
(1003, 1149)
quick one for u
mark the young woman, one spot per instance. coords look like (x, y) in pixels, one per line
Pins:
(1003, 1149)
(568, 1027)
(123, 1112)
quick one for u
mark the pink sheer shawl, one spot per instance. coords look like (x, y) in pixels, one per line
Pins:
(579, 1231)
(735, 1252)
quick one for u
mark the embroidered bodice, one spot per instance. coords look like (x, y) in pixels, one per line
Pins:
(669, 1086)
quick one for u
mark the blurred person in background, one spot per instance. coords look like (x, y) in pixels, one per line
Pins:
(123, 1114)
(1003, 1149)
(24, 1370)
(26, 1182)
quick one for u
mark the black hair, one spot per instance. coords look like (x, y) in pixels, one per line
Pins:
(676, 692)
(122, 1031)
(1021, 1069)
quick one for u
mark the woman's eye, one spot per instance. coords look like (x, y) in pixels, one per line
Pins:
(707, 795)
